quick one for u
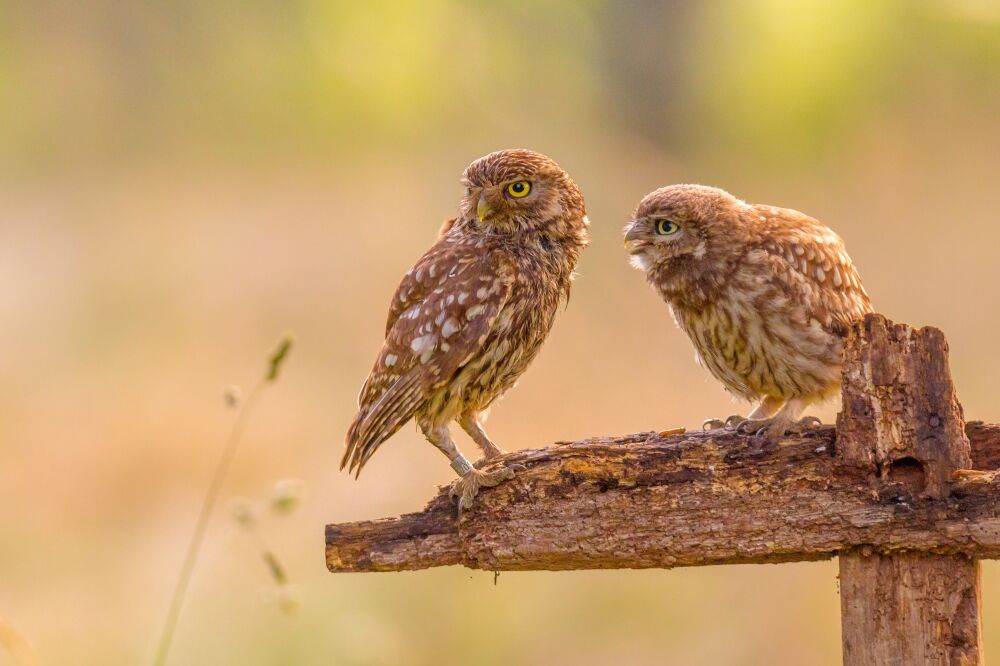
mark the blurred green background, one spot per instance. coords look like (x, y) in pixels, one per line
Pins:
(180, 182)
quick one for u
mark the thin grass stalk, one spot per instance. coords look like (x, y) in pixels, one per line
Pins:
(211, 497)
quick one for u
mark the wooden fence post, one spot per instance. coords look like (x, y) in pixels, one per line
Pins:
(896, 491)
(902, 422)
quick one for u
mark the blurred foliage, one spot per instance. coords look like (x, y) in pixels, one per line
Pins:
(774, 77)
(790, 76)
(247, 76)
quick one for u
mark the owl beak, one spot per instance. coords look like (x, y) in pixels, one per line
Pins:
(484, 208)
(633, 234)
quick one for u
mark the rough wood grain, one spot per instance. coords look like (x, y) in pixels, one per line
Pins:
(902, 425)
(905, 492)
(696, 499)
(643, 500)
(900, 417)
(984, 439)
(896, 624)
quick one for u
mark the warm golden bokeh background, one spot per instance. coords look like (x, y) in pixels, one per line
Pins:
(180, 182)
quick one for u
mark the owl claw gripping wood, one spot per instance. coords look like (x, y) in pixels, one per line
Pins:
(471, 315)
(765, 294)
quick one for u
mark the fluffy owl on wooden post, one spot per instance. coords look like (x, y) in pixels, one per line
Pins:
(765, 294)
(473, 312)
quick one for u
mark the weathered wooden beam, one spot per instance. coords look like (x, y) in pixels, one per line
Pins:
(646, 500)
(910, 608)
(984, 439)
(902, 423)
(695, 499)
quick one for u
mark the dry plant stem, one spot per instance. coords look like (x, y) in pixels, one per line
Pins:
(274, 363)
(221, 470)
(274, 566)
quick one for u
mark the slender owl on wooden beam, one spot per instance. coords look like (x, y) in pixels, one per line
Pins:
(765, 294)
(473, 312)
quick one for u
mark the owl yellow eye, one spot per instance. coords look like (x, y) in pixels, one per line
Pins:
(519, 189)
(666, 227)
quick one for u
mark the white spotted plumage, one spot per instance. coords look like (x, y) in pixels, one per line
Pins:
(765, 294)
(471, 315)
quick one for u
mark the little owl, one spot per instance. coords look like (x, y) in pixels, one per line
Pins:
(473, 312)
(765, 294)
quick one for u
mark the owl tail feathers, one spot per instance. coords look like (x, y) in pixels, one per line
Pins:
(376, 423)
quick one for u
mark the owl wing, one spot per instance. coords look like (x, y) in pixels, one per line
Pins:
(815, 267)
(449, 303)
(445, 260)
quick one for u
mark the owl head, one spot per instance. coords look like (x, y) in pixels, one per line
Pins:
(521, 192)
(681, 223)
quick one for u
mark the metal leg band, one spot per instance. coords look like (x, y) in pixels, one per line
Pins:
(461, 465)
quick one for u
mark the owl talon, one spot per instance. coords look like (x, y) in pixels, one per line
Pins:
(781, 353)
(752, 426)
(466, 487)
(487, 461)
(806, 423)
(735, 421)
(775, 428)
(713, 424)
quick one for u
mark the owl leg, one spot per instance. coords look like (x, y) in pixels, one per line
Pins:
(470, 480)
(783, 421)
(768, 406)
(470, 424)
